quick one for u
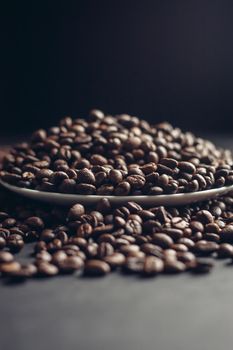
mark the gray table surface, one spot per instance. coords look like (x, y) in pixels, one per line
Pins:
(120, 312)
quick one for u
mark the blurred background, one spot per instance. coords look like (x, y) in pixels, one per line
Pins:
(160, 60)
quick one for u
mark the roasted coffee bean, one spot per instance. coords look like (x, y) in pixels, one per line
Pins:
(35, 223)
(203, 247)
(204, 216)
(47, 235)
(187, 167)
(85, 176)
(174, 266)
(196, 226)
(104, 249)
(45, 269)
(25, 271)
(6, 257)
(70, 264)
(115, 260)
(162, 240)
(152, 266)
(96, 268)
(225, 251)
(226, 234)
(133, 227)
(133, 265)
(75, 212)
(122, 189)
(43, 256)
(152, 249)
(15, 243)
(7, 268)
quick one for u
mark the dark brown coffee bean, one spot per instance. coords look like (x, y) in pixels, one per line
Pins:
(115, 260)
(122, 189)
(104, 249)
(203, 247)
(162, 240)
(186, 257)
(225, 251)
(43, 256)
(152, 249)
(115, 176)
(169, 162)
(226, 234)
(35, 223)
(204, 216)
(47, 235)
(133, 265)
(174, 266)
(96, 268)
(70, 264)
(46, 269)
(133, 227)
(85, 176)
(174, 233)
(75, 212)
(152, 266)
(84, 188)
(187, 167)
(196, 226)
(15, 243)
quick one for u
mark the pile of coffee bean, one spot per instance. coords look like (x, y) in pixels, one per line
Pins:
(120, 155)
(130, 239)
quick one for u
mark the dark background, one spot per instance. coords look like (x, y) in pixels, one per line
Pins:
(156, 59)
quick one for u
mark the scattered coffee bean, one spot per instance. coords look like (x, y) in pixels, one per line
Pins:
(96, 268)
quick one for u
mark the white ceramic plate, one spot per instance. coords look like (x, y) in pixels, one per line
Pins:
(70, 199)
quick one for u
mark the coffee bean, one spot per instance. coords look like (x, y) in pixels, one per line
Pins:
(86, 176)
(152, 266)
(225, 251)
(133, 265)
(122, 189)
(133, 227)
(9, 267)
(46, 269)
(35, 223)
(6, 257)
(70, 264)
(204, 216)
(162, 240)
(203, 247)
(226, 234)
(104, 249)
(25, 271)
(96, 268)
(174, 266)
(152, 249)
(115, 260)
(187, 167)
(15, 243)
(76, 211)
(115, 176)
